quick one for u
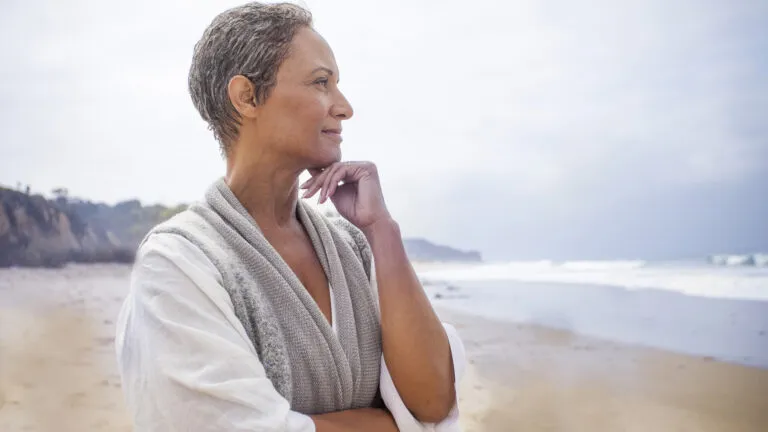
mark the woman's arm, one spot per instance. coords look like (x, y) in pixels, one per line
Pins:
(414, 342)
(363, 419)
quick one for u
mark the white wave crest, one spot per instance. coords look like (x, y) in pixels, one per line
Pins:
(707, 281)
(756, 260)
(603, 265)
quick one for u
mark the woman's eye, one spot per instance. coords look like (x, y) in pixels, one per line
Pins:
(322, 81)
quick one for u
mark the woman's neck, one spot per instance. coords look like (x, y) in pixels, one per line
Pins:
(267, 189)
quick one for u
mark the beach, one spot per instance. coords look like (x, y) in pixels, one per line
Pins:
(58, 370)
(531, 378)
(57, 361)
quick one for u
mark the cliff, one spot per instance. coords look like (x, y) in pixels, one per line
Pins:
(34, 232)
(423, 250)
(38, 232)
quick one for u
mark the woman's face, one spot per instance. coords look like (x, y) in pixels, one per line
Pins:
(301, 118)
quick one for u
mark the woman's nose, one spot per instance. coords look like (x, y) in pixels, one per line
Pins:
(341, 108)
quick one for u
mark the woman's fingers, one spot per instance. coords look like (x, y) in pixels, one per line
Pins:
(336, 171)
(313, 185)
(327, 180)
(317, 182)
(334, 180)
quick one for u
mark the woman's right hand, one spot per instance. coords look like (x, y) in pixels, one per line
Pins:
(367, 419)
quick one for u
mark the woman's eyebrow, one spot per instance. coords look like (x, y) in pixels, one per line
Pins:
(322, 68)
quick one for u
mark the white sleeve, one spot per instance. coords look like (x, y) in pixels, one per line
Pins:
(405, 421)
(185, 360)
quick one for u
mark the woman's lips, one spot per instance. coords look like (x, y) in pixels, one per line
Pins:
(333, 134)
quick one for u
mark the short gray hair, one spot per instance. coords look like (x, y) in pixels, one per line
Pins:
(250, 40)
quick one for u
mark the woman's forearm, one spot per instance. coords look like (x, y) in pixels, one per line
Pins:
(414, 342)
(363, 419)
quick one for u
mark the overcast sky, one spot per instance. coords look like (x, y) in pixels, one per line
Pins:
(525, 129)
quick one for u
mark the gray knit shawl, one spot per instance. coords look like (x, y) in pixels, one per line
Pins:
(315, 369)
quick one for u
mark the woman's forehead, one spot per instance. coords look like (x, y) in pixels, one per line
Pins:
(309, 51)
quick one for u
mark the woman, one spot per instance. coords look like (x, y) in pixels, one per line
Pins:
(252, 311)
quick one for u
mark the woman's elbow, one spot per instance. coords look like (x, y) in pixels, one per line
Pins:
(436, 409)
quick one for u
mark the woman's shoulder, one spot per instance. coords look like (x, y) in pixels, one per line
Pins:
(187, 221)
(187, 232)
(170, 267)
(165, 251)
(177, 243)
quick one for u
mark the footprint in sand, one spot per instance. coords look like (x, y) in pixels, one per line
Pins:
(75, 399)
(105, 340)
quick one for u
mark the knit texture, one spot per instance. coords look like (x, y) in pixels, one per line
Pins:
(315, 369)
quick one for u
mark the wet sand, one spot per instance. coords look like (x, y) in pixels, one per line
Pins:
(58, 371)
(529, 378)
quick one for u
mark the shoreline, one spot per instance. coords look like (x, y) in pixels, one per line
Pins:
(529, 377)
(727, 329)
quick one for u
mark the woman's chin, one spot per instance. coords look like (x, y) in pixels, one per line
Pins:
(322, 155)
(330, 156)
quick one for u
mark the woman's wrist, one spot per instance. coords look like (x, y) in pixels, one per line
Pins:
(384, 226)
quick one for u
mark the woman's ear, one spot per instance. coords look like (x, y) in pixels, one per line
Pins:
(241, 93)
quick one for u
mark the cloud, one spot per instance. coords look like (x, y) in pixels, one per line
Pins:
(532, 116)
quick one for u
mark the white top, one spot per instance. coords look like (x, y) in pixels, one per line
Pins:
(186, 362)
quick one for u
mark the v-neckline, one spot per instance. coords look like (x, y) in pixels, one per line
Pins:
(322, 258)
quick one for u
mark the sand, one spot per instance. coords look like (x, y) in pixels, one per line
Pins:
(57, 363)
(529, 378)
(58, 371)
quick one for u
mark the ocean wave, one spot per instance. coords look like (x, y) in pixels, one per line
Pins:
(603, 265)
(753, 260)
(572, 265)
(691, 279)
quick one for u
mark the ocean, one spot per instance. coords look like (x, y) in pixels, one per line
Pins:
(716, 309)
